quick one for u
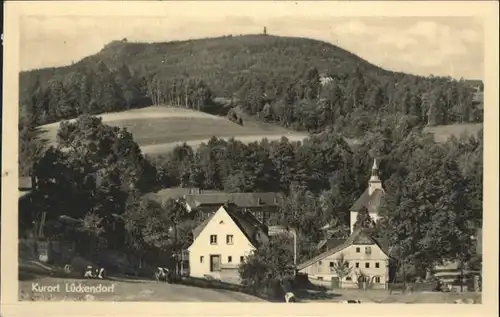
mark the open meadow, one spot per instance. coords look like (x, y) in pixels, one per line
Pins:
(444, 132)
(159, 129)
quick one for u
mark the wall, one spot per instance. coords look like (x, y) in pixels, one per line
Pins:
(202, 247)
(321, 269)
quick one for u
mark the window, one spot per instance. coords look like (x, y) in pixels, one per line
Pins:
(213, 239)
(358, 250)
(367, 265)
(377, 265)
(377, 279)
(348, 278)
(229, 259)
(320, 263)
(201, 259)
(332, 266)
(242, 259)
(229, 239)
(368, 250)
(357, 265)
(320, 278)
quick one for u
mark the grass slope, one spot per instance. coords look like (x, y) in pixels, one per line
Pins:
(159, 129)
(443, 132)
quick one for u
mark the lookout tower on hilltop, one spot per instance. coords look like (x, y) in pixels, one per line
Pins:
(265, 31)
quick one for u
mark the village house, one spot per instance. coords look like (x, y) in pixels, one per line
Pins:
(264, 206)
(367, 259)
(222, 241)
(451, 272)
(371, 199)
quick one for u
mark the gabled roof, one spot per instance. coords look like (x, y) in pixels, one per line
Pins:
(371, 202)
(199, 228)
(330, 243)
(246, 222)
(247, 200)
(355, 238)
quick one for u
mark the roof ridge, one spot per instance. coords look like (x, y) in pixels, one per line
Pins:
(348, 242)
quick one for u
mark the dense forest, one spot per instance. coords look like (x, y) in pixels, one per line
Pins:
(97, 173)
(295, 82)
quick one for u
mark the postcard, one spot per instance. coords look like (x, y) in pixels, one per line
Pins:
(232, 158)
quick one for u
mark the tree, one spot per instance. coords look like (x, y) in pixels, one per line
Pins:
(342, 268)
(267, 264)
(91, 225)
(364, 220)
(31, 147)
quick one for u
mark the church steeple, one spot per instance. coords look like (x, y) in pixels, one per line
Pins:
(374, 182)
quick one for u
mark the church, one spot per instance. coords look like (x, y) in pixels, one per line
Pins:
(371, 199)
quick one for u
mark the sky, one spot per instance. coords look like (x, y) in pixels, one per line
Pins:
(444, 46)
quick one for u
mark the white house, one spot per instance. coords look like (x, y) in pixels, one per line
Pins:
(371, 198)
(222, 241)
(367, 259)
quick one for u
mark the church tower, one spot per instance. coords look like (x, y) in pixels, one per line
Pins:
(374, 182)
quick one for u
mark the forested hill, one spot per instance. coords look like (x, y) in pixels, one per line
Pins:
(295, 82)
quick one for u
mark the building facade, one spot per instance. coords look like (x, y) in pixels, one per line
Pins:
(366, 257)
(222, 241)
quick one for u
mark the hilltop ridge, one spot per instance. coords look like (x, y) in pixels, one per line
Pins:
(276, 79)
(206, 57)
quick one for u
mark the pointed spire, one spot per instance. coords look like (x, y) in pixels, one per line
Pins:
(374, 182)
(374, 175)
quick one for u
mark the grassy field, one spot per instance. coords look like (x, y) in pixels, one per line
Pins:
(383, 297)
(125, 290)
(145, 290)
(160, 129)
(443, 132)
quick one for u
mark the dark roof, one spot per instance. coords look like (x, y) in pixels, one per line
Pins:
(245, 221)
(247, 200)
(330, 243)
(359, 236)
(371, 202)
(199, 228)
(176, 192)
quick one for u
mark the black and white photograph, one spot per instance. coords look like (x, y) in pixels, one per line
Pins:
(250, 156)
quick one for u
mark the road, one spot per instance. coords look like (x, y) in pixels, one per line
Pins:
(131, 290)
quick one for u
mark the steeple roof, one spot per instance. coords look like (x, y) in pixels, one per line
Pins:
(371, 202)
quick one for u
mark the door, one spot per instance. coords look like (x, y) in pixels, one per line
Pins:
(214, 263)
(335, 282)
